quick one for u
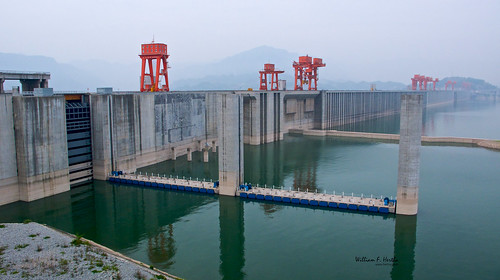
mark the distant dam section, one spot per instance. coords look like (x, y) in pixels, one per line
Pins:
(52, 142)
(394, 138)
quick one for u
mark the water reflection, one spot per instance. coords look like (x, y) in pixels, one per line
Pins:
(118, 216)
(183, 168)
(161, 248)
(232, 238)
(405, 239)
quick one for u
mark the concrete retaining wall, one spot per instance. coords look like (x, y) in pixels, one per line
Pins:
(41, 146)
(9, 191)
(139, 129)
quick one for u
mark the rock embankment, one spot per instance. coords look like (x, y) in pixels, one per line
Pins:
(35, 251)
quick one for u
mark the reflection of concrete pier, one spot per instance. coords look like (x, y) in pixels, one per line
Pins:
(405, 239)
(232, 238)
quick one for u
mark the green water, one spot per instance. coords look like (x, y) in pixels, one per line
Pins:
(194, 236)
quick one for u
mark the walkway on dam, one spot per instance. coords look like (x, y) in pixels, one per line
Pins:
(426, 140)
(278, 195)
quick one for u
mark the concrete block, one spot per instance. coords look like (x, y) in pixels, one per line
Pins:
(43, 91)
(104, 90)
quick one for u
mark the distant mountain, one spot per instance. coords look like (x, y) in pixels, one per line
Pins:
(62, 76)
(247, 62)
(116, 75)
(238, 72)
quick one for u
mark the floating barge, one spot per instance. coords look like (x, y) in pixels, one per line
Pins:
(369, 204)
(339, 201)
(165, 183)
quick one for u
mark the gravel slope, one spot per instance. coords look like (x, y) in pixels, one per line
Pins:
(35, 251)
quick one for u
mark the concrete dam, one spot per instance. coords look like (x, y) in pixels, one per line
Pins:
(52, 142)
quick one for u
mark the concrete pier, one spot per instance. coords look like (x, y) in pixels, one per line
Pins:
(230, 127)
(189, 155)
(409, 154)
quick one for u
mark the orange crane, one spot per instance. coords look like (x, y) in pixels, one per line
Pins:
(269, 69)
(306, 72)
(422, 81)
(154, 54)
(448, 83)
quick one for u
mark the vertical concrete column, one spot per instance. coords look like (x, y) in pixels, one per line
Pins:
(320, 111)
(252, 119)
(1, 85)
(189, 154)
(205, 155)
(214, 147)
(269, 126)
(230, 128)
(41, 146)
(409, 154)
(101, 121)
(9, 190)
(174, 154)
(280, 115)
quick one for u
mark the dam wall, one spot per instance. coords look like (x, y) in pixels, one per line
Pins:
(139, 129)
(93, 134)
(41, 146)
(263, 117)
(338, 108)
(9, 191)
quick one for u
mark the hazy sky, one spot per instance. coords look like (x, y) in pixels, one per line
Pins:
(358, 39)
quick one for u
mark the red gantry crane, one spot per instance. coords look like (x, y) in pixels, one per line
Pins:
(154, 55)
(421, 81)
(448, 83)
(306, 72)
(269, 69)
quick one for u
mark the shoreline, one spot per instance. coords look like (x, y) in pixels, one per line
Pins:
(394, 138)
(40, 251)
